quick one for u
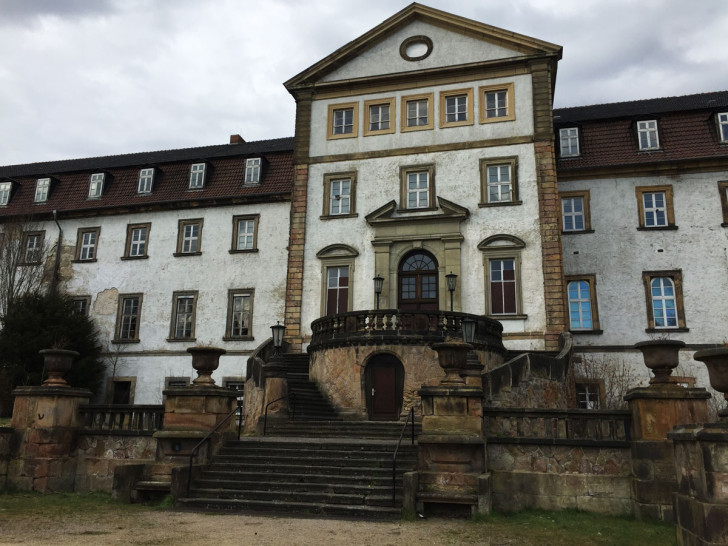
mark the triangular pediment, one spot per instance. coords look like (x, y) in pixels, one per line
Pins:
(389, 214)
(454, 41)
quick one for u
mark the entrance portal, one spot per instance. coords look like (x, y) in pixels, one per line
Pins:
(418, 282)
(384, 387)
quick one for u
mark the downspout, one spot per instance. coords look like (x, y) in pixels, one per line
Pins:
(57, 265)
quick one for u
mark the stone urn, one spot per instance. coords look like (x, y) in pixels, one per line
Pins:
(661, 357)
(205, 360)
(57, 362)
(716, 360)
(453, 358)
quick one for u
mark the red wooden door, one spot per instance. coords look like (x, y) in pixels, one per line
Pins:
(384, 397)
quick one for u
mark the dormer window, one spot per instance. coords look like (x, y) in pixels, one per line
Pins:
(723, 127)
(647, 135)
(42, 187)
(197, 176)
(252, 170)
(5, 189)
(96, 186)
(569, 139)
(146, 180)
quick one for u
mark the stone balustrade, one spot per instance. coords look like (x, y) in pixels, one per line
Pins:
(139, 419)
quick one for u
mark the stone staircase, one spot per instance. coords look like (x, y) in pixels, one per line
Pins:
(317, 464)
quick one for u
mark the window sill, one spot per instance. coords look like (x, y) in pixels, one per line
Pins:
(337, 216)
(498, 119)
(341, 135)
(243, 251)
(83, 261)
(649, 150)
(409, 128)
(124, 341)
(184, 254)
(508, 317)
(196, 189)
(724, 224)
(665, 330)
(567, 157)
(240, 338)
(462, 123)
(251, 184)
(500, 204)
(587, 332)
(422, 209)
(657, 228)
(577, 231)
(178, 340)
(134, 257)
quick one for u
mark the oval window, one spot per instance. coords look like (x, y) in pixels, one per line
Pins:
(415, 48)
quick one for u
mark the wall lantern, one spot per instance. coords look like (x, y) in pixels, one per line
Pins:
(452, 280)
(378, 283)
(277, 330)
(468, 326)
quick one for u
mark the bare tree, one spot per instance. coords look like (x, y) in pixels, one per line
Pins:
(24, 266)
(615, 376)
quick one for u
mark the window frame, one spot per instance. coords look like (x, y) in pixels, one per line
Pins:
(326, 213)
(42, 190)
(81, 246)
(6, 192)
(232, 294)
(181, 238)
(721, 119)
(590, 382)
(368, 104)
(255, 218)
(675, 275)
(723, 191)
(576, 138)
(176, 297)
(255, 170)
(39, 249)
(120, 318)
(86, 300)
(404, 171)
(503, 247)
(512, 161)
(130, 228)
(586, 211)
(469, 107)
(430, 98)
(510, 102)
(333, 108)
(197, 176)
(96, 185)
(591, 281)
(647, 130)
(640, 191)
(147, 174)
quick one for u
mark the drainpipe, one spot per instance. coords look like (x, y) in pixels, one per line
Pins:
(57, 265)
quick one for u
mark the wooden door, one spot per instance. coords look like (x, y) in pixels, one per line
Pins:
(418, 282)
(384, 384)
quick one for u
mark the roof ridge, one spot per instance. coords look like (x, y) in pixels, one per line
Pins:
(635, 101)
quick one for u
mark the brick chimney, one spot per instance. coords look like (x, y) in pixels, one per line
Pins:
(236, 139)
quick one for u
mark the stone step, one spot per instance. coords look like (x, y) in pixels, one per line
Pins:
(298, 496)
(295, 486)
(311, 460)
(302, 469)
(237, 476)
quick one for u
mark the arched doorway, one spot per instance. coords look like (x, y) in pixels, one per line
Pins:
(384, 387)
(417, 282)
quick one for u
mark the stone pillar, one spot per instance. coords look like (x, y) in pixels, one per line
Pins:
(451, 465)
(656, 410)
(276, 387)
(45, 423)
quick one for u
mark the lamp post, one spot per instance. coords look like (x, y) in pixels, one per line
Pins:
(468, 327)
(452, 280)
(378, 282)
(277, 330)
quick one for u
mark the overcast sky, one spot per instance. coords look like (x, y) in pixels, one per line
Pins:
(83, 78)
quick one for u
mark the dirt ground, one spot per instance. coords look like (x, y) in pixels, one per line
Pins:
(188, 529)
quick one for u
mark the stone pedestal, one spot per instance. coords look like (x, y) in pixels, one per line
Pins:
(46, 423)
(701, 500)
(656, 410)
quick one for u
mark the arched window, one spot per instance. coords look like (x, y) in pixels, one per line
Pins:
(418, 280)
(664, 308)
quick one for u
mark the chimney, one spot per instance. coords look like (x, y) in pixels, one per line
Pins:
(236, 139)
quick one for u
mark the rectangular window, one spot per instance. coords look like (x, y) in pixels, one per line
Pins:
(337, 290)
(86, 244)
(137, 240)
(339, 197)
(575, 216)
(654, 205)
(581, 296)
(183, 316)
(339, 200)
(647, 136)
(42, 187)
(81, 305)
(499, 183)
(723, 127)
(418, 187)
(417, 112)
(189, 237)
(5, 188)
(379, 116)
(496, 103)
(252, 170)
(33, 247)
(456, 108)
(146, 180)
(176, 382)
(128, 318)
(245, 233)
(96, 185)
(665, 308)
(503, 297)
(569, 139)
(197, 176)
(588, 394)
(240, 314)
(343, 120)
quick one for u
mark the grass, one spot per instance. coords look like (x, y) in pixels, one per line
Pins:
(59, 505)
(5, 421)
